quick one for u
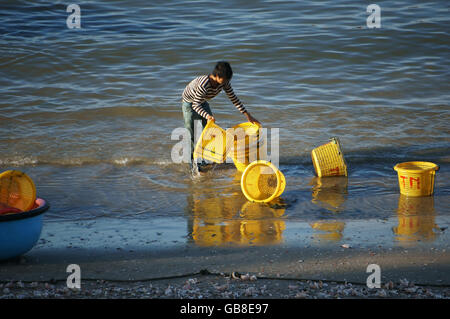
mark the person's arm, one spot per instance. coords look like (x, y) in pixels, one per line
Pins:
(250, 118)
(238, 104)
(233, 98)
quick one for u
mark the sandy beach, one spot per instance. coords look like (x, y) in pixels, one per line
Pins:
(252, 272)
(220, 287)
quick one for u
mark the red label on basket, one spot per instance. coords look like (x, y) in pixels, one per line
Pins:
(411, 179)
(403, 177)
(335, 170)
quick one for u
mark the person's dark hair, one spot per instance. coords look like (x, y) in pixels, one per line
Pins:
(223, 70)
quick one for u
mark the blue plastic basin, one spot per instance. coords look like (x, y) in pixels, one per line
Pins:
(19, 232)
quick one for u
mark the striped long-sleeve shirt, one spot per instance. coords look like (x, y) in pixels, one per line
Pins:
(199, 90)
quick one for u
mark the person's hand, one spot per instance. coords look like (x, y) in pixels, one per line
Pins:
(251, 119)
(211, 118)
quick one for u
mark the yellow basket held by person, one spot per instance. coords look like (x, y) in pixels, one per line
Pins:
(246, 143)
(212, 144)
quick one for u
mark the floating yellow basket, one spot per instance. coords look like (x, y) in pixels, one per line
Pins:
(211, 144)
(416, 178)
(328, 159)
(17, 190)
(246, 139)
(262, 182)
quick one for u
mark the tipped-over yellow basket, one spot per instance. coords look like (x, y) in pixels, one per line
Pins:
(262, 182)
(328, 159)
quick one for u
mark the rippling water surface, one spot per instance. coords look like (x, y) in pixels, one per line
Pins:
(88, 112)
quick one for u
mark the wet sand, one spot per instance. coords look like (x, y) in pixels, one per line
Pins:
(118, 261)
(279, 272)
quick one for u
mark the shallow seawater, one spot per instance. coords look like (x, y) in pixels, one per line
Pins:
(88, 113)
(362, 209)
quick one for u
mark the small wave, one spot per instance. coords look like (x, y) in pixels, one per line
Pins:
(25, 161)
(382, 155)
(124, 161)
(439, 153)
(130, 162)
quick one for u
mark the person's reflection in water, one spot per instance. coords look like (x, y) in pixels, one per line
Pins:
(230, 220)
(416, 217)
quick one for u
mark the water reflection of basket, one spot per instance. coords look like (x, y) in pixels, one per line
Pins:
(216, 222)
(330, 192)
(328, 230)
(416, 219)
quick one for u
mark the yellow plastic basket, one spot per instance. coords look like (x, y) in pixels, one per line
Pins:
(416, 178)
(328, 159)
(211, 144)
(262, 182)
(242, 150)
(17, 190)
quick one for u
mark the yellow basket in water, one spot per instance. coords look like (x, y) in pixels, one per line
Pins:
(211, 145)
(247, 142)
(416, 178)
(17, 190)
(328, 159)
(262, 182)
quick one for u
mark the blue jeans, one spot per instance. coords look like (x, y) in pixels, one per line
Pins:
(190, 116)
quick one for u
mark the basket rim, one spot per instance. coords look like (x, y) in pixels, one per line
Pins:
(43, 206)
(232, 144)
(403, 167)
